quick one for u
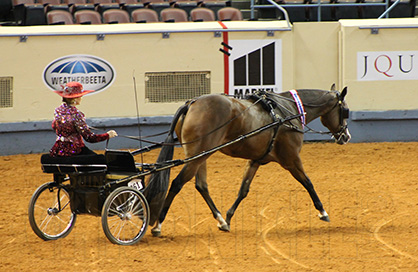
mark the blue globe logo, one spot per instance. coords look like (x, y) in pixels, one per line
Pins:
(74, 67)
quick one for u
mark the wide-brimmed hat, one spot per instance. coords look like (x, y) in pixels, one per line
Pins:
(72, 90)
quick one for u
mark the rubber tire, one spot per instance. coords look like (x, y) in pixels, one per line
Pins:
(70, 216)
(113, 200)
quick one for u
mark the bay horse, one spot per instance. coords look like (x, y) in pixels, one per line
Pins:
(212, 120)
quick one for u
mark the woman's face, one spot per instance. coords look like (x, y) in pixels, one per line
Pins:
(77, 100)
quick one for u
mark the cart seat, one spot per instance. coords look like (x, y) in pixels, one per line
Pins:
(74, 164)
(120, 161)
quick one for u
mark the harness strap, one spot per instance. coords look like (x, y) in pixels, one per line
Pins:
(299, 106)
(269, 105)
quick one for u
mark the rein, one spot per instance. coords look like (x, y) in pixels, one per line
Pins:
(141, 138)
(269, 105)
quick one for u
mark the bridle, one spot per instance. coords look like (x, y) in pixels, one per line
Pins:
(344, 113)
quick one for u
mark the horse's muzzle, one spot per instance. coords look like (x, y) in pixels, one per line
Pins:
(342, 137)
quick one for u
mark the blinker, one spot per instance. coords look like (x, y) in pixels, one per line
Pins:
(345, 113)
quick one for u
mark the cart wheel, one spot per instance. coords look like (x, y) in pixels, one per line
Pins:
(50, 214)
(125, 216)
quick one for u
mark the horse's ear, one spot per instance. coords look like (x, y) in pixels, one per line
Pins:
(344, 93)
(332, 89)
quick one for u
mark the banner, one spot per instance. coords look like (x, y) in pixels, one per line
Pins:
(387, 65)
(93, 72)
(254, 65)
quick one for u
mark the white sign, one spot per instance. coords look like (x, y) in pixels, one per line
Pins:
(255, 65)
(93, 72)
(387, 65)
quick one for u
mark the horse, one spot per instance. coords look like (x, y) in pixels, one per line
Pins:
(209, 121)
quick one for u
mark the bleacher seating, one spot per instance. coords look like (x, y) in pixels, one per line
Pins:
(103, 5)
(34, 12)
(186, 5)
(130, 5)
(174, 15)
(116, 16)
(76, 5)
(87, 17)
(144, 15)
(59, 17)
(202, 15)
(157, 5)
(229, 14)
(214, 5)
(53, 5)
(27, 12)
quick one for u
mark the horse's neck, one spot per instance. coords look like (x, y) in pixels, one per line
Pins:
(316, 103)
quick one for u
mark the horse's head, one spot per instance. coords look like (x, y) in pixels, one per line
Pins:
(336, 119)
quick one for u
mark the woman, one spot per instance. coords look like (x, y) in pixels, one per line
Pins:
(71, 127)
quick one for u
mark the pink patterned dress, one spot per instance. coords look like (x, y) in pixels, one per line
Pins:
(71, 127)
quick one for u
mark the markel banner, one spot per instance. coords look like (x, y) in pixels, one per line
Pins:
(254, 65)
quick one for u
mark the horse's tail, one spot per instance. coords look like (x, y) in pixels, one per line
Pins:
(158, 184)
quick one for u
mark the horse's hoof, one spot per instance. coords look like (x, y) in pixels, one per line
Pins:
(156, 233)
(224, 227)
(324, 217)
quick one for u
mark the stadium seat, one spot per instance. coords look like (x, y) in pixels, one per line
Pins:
(144, 15)
(103, 5)
(186, 5)
(174, 15)
(59, 17)
(157, 5)
(115, 16)
(214, 5)
(76, 5)
(53, 5)
(86, 16)
(130, 5)
(229, 14)
(27, 12)
(202, 15)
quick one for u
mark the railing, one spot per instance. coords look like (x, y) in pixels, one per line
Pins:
(319, 5)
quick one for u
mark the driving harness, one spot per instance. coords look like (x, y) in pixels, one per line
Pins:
(265, 99)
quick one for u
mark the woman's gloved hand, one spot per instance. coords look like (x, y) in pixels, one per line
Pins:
(112, 133)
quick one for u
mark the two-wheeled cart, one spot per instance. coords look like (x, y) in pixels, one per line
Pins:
(112, 190)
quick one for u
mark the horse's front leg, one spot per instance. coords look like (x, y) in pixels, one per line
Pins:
(249, 174)
(298, 173)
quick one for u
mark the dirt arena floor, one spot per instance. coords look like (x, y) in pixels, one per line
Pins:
(370, 191)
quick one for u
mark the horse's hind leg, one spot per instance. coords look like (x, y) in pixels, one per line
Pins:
(249, 173)
(202, 187)
(182, 178)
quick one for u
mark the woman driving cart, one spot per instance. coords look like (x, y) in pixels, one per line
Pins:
(70, 125)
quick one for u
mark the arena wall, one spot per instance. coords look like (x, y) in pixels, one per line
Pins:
(376, 59)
